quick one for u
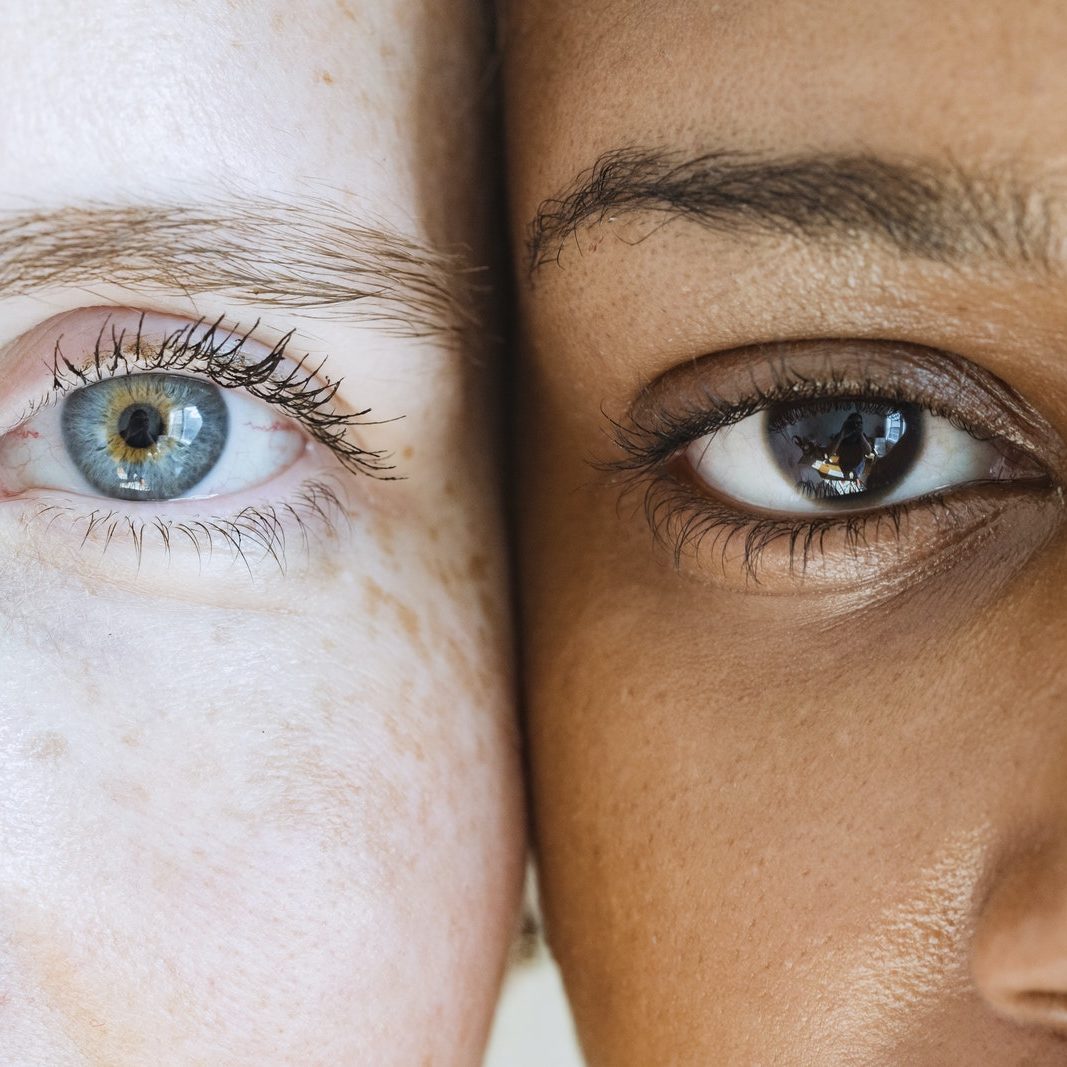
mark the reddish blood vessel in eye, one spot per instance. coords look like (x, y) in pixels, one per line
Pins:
(274, 427)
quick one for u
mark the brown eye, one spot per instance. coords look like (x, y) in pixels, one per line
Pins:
(845, 454)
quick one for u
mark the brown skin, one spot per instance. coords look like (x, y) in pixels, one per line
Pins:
(753, 853)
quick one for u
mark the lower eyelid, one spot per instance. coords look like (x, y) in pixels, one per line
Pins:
(253, 535)
(813, 555)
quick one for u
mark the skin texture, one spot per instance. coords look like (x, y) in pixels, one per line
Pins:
(820, 819)
(251, 816)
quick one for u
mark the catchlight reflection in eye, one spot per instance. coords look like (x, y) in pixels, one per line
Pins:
(843, 454)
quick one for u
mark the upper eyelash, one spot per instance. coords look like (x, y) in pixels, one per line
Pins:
(647, 446)
(217, 354)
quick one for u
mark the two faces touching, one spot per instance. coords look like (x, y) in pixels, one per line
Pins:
(789, 440)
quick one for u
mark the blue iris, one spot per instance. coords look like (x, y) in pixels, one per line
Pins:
(145, 436)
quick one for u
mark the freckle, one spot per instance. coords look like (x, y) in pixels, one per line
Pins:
(48, 746)
(450, 488)
(434, 533)
(325, 705)
(130, 795)
(131, 739)
(373, 595)
(409, 620)
(326, 78)
(477, 567)
(408, 452)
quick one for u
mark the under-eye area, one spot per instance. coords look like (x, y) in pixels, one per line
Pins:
(829, 460)
(167, 435)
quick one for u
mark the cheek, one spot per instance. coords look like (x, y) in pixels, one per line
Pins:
(272, 832)
(792, 809)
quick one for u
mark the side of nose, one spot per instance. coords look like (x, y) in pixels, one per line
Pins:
(1019, 953)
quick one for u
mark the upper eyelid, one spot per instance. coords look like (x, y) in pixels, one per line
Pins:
(910, 372)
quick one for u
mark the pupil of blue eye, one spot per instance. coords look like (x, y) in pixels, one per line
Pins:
(839, 450)
(140, 426)
(145, 436)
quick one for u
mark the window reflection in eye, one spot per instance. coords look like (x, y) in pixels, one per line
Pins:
(830, 456)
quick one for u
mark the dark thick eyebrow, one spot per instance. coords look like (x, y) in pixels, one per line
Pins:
(306, 253)
(936, 210)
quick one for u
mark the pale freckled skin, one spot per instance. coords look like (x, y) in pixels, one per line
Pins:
(48, 746)
(260, 810)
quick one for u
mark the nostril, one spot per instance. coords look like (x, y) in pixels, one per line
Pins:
(1042, 1006)
(1019, 949)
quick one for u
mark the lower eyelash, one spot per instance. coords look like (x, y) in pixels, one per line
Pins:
(682, 520)
(255, 535)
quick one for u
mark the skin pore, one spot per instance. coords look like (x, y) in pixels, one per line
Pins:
(260, 778)
(797, 782)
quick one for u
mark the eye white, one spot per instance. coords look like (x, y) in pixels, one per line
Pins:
(737, 463)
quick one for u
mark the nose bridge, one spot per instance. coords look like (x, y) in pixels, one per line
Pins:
(1019, 952)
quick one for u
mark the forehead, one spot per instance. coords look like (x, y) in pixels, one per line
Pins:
(978, 80)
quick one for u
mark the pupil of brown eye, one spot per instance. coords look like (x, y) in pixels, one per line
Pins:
(141, 426)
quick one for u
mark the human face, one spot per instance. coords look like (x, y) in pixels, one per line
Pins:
(797, 756)
(261, 796)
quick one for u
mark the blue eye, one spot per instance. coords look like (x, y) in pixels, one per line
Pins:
(151, 437)
(145, 436)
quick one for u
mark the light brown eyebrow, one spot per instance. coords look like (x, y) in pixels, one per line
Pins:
(306, 253)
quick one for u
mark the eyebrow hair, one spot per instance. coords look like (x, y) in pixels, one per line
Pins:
(933, 210)
(305, 253)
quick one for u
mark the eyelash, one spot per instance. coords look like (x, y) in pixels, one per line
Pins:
(261, 527)
(682, 517)
(257, 532)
